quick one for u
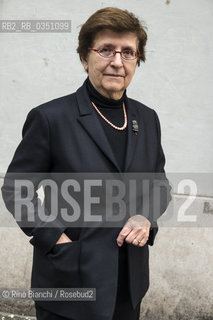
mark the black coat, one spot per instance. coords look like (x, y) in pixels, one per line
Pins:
(64, 135)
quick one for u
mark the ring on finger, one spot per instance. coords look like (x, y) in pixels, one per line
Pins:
(137, 240)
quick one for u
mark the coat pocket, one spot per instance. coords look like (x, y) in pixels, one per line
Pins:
(65, 261)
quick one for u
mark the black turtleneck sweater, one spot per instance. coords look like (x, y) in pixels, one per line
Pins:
(113, 111)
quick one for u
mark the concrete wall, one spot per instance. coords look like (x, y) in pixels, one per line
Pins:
(176, 81)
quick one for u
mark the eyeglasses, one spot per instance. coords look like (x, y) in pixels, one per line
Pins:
(108, 52)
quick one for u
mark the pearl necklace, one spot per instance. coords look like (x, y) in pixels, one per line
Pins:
(110, 123)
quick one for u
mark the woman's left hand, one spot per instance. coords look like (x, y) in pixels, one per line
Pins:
(135, 231)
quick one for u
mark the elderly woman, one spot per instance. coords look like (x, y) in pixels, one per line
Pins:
(96, 129)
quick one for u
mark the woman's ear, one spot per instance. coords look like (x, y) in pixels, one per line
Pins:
(85, 64)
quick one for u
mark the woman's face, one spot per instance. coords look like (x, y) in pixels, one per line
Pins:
(111, 76)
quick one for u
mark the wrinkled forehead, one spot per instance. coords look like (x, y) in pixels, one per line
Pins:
(117, 40)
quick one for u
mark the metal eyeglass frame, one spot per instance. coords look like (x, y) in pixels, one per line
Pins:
(137, 55)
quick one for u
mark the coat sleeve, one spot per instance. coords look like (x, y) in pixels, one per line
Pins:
(161, 180)
(32, 160)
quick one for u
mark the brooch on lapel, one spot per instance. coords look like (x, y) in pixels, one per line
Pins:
(135, 127)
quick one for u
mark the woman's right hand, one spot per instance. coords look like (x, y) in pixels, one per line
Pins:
(63, 239)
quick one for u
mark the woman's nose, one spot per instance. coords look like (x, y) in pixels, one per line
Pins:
(117, 60)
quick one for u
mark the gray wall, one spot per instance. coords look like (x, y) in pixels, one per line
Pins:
(176, 81)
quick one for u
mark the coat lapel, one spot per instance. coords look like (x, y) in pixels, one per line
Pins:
(89, 121)
(92, 125)
(132, 136)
